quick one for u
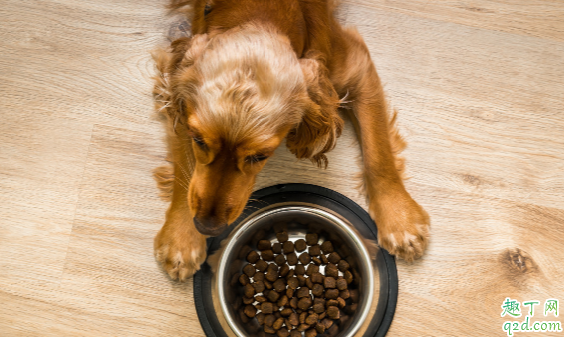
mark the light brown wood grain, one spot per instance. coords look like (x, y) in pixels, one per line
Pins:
(480, 90)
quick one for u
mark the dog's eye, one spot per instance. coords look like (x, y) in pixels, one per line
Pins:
(256, 158)
(200, 142)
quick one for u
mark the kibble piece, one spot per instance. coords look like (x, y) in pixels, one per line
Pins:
(260, 299)
(283, 332)
(332, 303)
(269, 329)
(249, 290)
(278, 323)
(332, 294)
(253, 257)
(327, 323)
(327, 247)
(300, 245)
(261, 265)
(243, 279)
(342, 302)
(314, 250)
(273, 296)
(311, 319)
(250, 311)
(344, 319)
(284, 270)
(290, 292)
(291, 273)
(264, 245)
(286, 312)
(247, 300)
(341, 284)
(295, 333)
(282, 237)
(343, 266)
(317, 278)
(260, 318)
(249, 270)
(324, 259)
(318, 308)
(333, 312)
(280, 260)
(344, 294)
(258, 276)
(354, 295)
(331, 270)
(269, 320)
(244, 252)
(271, 275)
(351, 308)
(293, 318)
(303, 316)
(279, 285)
(348, 277)
(303, 327)
(316, 260)
(268, 285)
(294, 303)
(267, 255)
(288, 247)
(322, 315)
(303, 292)
(318, 300)
(283, 301)
(259, 286)
(277, 248)
(267, 307)
(311, 333)
(244, 318)
(300, 269)
(293, 282)
(329, 283)
(311, 239)
(319, 328)
(305, 258)
(301, 280)
(317, 290)
(292, 259)
(332, 331)
(334, 257)
(304, 303)
(312, 269)
(309, 284)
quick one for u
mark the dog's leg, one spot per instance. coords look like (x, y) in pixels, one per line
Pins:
(179, 247)
(403, 225)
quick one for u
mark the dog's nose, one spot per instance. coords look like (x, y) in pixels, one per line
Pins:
(208, 226)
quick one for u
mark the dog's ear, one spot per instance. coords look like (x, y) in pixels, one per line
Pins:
(321, 124)
(175, 78)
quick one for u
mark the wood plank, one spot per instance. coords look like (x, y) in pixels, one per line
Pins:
(539, 18)
(480, 109)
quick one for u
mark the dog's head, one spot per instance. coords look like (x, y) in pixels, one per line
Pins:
(239, 95)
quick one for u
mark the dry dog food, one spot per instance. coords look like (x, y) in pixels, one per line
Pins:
(285, 290)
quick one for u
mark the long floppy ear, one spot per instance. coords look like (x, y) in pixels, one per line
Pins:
(173, 65)
(321, 124)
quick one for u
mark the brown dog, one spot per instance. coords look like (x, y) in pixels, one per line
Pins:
(254, 73)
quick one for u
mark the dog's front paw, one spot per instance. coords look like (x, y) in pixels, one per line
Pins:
(180, 249)
(403, 225)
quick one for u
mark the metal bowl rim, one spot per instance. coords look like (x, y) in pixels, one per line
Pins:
(253, 218)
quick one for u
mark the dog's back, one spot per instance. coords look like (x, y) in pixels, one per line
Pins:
(307, 23)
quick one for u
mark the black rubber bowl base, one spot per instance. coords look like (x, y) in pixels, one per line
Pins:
(316, 195)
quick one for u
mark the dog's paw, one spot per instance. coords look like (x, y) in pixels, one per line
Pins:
(403, 225)
(180, 250)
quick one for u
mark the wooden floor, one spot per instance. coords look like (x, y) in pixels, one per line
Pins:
(480, 89)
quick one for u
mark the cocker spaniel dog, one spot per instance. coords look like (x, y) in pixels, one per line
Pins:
(253, 74)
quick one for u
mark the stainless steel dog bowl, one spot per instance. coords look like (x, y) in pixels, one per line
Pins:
(298, 209)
